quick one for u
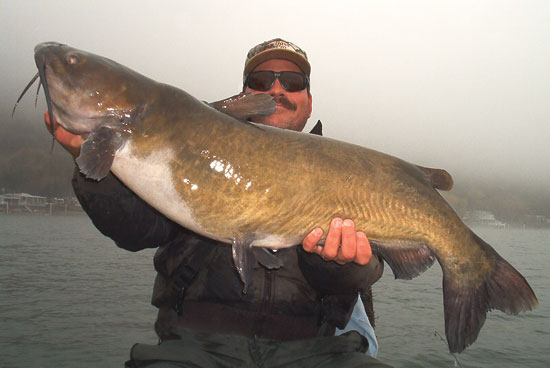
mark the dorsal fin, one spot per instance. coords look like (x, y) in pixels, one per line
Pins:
(246, 105)
(440, 178)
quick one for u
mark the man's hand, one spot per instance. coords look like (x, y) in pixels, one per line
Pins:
(71, 142)
(355, 246)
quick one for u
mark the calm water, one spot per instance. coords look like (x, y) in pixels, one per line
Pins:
(70, 298)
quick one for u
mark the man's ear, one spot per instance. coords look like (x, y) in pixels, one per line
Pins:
(310, 104)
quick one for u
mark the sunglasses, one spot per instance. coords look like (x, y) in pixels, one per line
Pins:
(263, 80)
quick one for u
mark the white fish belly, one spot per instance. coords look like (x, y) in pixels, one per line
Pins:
(273, 241)
(151, 179)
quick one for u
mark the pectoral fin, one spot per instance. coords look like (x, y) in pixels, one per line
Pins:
(98, 152)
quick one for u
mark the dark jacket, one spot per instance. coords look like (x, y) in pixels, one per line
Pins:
(198, 287)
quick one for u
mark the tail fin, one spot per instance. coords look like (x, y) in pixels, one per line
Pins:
(465, 309)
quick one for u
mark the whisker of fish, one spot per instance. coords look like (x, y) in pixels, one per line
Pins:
(37, 91)
(44, 82)
(42, 75)
(25, 91)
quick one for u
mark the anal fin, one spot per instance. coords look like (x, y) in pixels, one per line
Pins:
(406, 259)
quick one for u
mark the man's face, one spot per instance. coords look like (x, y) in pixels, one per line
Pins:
(293, 108)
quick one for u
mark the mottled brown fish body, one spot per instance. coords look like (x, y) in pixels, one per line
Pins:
(264, 177)
(273, 186)
(260, 186)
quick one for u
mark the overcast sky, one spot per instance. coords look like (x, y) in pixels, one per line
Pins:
(461, 85)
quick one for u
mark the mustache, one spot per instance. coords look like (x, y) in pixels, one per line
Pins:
(285, 102)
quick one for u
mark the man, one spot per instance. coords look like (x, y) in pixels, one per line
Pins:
(289, 316)
(293, 112)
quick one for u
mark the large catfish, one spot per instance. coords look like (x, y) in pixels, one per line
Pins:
(257, 186)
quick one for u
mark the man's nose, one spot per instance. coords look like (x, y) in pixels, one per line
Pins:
(277, 88)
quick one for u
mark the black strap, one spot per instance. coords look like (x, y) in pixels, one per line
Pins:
(317, 129)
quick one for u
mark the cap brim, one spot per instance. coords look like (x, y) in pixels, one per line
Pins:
(291, 56)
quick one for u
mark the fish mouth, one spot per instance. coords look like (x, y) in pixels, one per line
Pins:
(42, 52)
(40, 60)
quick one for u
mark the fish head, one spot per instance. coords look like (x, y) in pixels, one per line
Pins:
(84, 91)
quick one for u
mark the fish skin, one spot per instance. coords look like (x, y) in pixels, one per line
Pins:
(188, 160)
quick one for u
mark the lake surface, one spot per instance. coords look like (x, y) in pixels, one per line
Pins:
(70, 298)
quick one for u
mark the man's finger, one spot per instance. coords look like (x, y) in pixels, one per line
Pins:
(310, 242)
(47, 121)
(364, 251)
(349, 245)
(332, 242)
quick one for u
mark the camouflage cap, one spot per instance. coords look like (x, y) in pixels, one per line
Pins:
(276, 48)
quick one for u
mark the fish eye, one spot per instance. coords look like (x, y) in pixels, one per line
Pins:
(73, 59)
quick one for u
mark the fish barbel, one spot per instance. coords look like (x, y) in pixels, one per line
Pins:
(256, 186)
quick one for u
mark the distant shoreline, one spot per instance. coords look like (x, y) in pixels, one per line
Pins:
(48, 209)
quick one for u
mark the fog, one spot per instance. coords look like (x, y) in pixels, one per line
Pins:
(460, 85)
